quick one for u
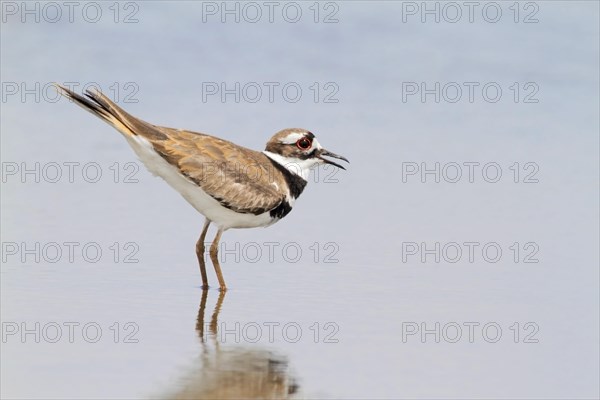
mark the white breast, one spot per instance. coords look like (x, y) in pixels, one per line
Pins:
(206, 205)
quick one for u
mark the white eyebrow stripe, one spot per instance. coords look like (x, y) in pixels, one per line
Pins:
(292, 138)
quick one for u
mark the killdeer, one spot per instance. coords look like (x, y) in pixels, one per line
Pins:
(232, 186)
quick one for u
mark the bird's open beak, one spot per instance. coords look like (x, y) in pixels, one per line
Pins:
(324, 152)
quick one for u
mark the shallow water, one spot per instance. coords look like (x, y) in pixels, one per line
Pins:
(348, 296)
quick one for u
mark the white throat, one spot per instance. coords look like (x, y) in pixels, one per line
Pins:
(294, 165)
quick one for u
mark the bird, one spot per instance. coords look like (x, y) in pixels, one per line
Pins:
(233, 187)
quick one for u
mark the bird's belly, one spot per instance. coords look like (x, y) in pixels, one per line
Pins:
(205, 204)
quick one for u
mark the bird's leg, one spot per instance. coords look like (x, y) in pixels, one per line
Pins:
(214, 251)
(200, 254)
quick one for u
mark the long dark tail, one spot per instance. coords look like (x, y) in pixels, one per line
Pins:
(103, 108)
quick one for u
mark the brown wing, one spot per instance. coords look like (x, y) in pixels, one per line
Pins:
(248, 179)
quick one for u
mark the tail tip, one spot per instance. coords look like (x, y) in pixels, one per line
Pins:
(61, 89)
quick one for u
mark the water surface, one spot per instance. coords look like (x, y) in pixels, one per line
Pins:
(325, 303)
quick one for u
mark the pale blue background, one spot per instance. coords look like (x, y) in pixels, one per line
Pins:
(368, 213)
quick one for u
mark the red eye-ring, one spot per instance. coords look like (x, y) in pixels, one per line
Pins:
(303, 144)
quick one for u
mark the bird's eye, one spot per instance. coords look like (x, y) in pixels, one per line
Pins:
(303, 144)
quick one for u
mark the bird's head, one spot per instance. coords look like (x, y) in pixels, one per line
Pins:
(299, 151)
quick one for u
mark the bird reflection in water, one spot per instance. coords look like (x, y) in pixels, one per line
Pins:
(233, 372)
